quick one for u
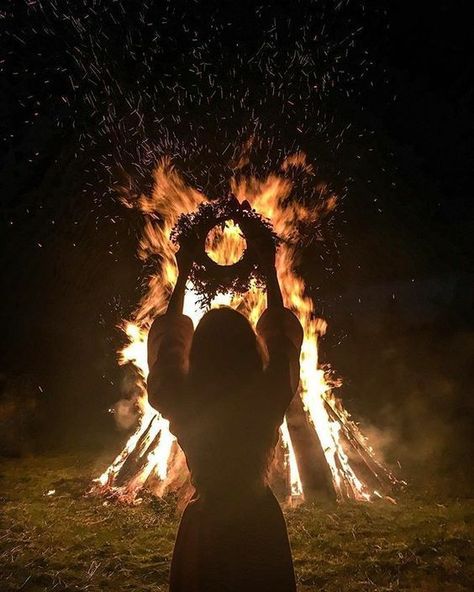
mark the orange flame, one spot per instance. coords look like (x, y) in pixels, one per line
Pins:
(269, 197)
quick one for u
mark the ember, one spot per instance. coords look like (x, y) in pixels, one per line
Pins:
(323, 448)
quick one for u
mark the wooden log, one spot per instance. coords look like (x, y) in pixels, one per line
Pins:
(312, 465)
(137, 456)
(374, 472)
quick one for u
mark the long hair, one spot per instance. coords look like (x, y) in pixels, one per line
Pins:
(225, 354)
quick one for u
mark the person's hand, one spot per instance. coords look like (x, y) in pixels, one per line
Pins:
(184, 261)
(262, 244)
(265, 252)
(186, 254)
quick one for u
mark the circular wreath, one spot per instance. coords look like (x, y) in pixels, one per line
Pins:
(207, 276)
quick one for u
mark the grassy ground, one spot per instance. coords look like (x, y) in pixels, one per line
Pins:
(67, 541)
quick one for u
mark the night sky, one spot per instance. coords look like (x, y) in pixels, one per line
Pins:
(378, 95)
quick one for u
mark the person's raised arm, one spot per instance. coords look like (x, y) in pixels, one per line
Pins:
(184, 259)
(274, 296)
(169, 342)
(265, 251)
(279, 329)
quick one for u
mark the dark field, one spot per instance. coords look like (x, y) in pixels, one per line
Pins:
(67, 541)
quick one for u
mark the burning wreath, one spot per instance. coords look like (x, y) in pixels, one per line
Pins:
(208, 277)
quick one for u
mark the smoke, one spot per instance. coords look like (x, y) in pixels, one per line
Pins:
(126, 411)
(416, 391)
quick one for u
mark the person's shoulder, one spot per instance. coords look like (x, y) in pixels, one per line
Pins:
(167, 322)
(278, 323)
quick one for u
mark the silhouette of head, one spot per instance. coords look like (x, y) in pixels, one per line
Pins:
(225, 352)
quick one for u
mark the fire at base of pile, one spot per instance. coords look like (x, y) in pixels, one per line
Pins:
(153, 460)
(321, 450)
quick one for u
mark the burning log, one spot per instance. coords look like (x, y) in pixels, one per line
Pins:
(136, 460)
(362, 455)
(312, 465)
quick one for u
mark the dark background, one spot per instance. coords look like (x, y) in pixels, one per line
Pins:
(380, 99)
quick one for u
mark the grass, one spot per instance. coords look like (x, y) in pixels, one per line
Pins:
(67, 541)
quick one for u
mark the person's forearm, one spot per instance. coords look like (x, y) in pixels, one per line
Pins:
(184, 262)
(274, 296)
(176, 302)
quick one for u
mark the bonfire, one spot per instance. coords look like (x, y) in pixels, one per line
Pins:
(321, 451)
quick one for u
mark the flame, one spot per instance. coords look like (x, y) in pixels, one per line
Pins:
(170, 197)
(225, 244)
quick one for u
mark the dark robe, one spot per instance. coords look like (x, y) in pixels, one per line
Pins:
(232, 535)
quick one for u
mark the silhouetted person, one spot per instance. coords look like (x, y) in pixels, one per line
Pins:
(225, 392)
